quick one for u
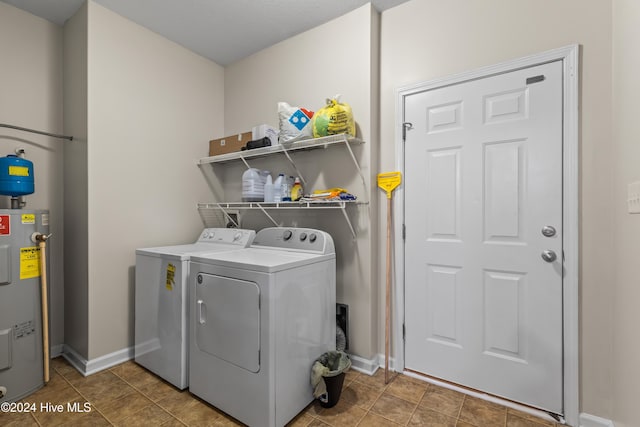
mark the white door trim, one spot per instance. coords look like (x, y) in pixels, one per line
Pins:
(569, 56)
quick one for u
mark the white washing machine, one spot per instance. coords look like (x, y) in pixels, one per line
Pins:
(260, 317)
(162, 302)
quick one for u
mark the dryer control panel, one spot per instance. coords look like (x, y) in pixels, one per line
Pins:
(297, 239)
(232, 236)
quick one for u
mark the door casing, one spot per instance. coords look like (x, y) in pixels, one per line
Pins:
(569, 55)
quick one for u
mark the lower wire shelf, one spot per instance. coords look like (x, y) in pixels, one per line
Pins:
(209, 212)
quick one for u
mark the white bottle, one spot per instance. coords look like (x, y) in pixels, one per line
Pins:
(252, 186)
(268, 190)
(287, 183)
(277, 188)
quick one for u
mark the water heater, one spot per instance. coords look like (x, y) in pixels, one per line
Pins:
(21, 335)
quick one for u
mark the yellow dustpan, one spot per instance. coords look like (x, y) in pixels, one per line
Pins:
(388, 182)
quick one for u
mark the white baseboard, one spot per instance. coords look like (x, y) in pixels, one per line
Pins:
(392, 363)
(107, 361)
(88, 367)
(56, 350)
(365, 366)
(587, 420)
(77, 361)
(370, 366)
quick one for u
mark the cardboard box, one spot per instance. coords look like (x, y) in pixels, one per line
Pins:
(228, 144)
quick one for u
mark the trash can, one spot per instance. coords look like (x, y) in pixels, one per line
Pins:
(327, 377)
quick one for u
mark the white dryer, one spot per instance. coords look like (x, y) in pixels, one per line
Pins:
(162, 303)
(260, 317)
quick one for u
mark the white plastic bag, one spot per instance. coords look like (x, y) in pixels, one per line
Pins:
(295, 123)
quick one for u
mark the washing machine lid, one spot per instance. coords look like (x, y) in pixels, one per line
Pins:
(210, 240)
(262, 260)
(185, 252)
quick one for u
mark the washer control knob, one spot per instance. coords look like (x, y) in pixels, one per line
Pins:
(211, 234)
(237, 236)
(205, 235)
(303, 237)
(312, 238)
(287, 235)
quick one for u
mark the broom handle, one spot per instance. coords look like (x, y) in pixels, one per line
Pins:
(387, 325)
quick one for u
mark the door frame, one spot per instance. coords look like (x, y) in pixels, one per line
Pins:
(569, 55)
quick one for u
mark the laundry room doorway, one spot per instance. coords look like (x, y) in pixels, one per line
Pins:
(487, 270)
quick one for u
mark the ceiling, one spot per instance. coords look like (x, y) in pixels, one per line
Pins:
(221, 30)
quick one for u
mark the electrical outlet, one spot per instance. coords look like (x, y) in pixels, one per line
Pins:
(633, 197)
(233, 219)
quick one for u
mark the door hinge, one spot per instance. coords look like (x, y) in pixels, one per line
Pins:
(404, 232)
(404, 332)
(406, 126)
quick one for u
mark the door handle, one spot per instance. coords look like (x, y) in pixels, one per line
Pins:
(549, 255)
(202, 312)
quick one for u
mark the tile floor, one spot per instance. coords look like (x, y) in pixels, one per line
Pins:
(128, 395)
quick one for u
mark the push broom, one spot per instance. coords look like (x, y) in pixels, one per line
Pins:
(388, 182)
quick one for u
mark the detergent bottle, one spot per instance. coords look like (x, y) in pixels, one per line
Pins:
(297, 190)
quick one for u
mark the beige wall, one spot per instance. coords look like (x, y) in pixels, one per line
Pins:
(31, 97)
(151, 108)
(427, 39)
(339, 57)
(76, 316)
(626, 348)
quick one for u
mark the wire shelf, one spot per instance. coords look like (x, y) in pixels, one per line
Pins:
(213, 214)
(308, 144)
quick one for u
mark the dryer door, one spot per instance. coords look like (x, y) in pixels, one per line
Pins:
(228, 320)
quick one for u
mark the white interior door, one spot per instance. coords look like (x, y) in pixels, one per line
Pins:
(483, 204)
